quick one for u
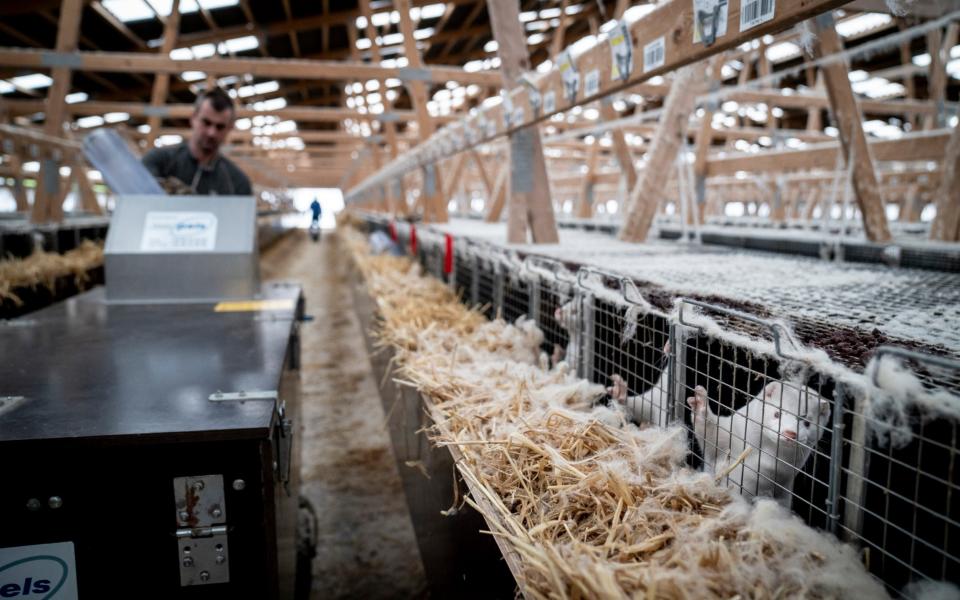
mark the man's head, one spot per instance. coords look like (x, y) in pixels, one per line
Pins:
(212, 120)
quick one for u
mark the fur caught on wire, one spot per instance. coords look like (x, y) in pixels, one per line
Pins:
(592, 505)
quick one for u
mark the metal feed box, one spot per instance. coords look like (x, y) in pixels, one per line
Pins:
(182, 248)
(151, 449)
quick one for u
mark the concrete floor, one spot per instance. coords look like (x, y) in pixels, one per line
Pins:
(367, 546)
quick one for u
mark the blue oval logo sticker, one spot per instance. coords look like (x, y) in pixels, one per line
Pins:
(34, 572)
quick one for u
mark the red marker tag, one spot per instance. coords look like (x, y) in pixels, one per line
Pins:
(413, 239)
(448, 257)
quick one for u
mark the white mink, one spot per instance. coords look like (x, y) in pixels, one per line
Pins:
(649, 407)
(567, 316)
(781, 426)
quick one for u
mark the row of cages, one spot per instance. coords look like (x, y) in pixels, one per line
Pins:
(871, 458)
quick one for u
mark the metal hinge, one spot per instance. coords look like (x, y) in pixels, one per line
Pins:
(283, 438)
(202, 531)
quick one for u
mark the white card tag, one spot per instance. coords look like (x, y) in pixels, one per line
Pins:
(165, 231)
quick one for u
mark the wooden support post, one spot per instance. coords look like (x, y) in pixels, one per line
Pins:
(814, 113)
(938, 46)
(946, 224)
(585, 199)
(936, 74)
(558, 34)
(813, 199)
(66, 184)
(912, 205)
(704, 140)
(482, 169)
(850, 124)
(161, 81)
(455, 173)
(88, 197)
(498, 197)
(765, 69)
(620, 147)
(906, 59)
(672, 129)
(530, 204)
(19, 190)
(434, 204)
(45, 207)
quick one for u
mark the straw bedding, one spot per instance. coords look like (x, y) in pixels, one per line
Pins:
(592, 506)
(44, 268)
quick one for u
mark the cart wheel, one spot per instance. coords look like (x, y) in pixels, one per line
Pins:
(306, 548)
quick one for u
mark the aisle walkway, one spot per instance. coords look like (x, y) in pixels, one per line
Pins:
(367, 547)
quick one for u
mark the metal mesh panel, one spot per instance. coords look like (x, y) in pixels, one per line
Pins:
(772, 425)
(486, 287)
(628, 352)
(516, 298)
(768, 435)
(901, 495)
(463, 270)
(556, 334)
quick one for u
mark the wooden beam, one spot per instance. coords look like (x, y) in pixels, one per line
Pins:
(672, 21)
(320, 114)
(119, 25)
(671, 132)
(556, 46)
(161, 82)
(88, 197)
(19, 191)
(914, 146)
(584, 209)
(850, 125)
(617, 136)
(705, 140)
(807, 101)
(434, 201)
(329, 70)
(946, 223)
(530, 206)
(294, 42)
(498, 198)
(45, 205)
(455, 174)
(482, 169)
(938, 47)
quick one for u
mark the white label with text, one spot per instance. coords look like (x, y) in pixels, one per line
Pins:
(179, 232)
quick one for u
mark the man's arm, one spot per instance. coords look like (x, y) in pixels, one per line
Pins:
(155, 160)
(242, 184)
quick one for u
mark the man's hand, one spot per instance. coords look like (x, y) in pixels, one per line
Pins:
(174, 186)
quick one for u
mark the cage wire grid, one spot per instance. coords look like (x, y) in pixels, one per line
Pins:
(899, 503)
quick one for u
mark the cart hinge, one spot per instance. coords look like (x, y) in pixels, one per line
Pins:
(283, 432)
(201, 530)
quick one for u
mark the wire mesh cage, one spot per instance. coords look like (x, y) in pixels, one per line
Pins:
(553, 301)
(464, 272)
(901, 495)
(516, 296)
(486, 285)
(629, 347)
(870, 457)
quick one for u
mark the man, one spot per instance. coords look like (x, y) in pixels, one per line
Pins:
(315, 209)
(197, 163)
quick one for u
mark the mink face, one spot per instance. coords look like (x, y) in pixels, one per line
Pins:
(780, 427)
(792, 416)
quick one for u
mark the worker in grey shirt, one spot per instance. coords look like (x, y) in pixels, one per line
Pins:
(197, 162)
